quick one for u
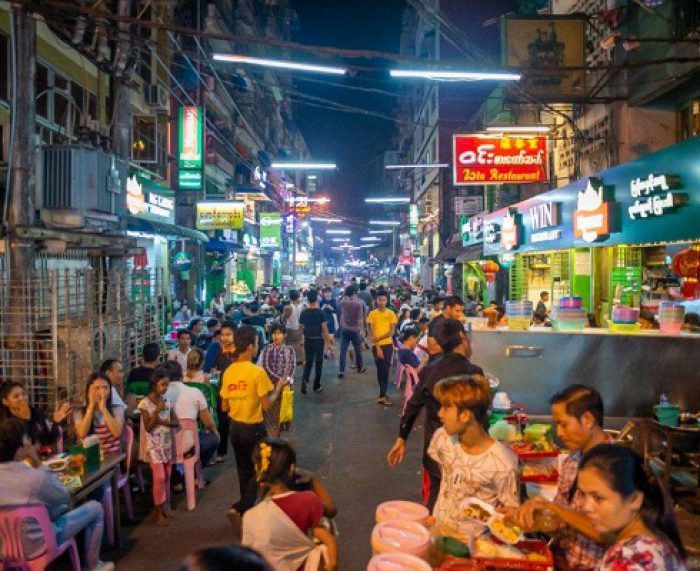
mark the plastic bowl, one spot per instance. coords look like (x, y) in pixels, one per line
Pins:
(570, 302)
(394, 561)
(670, 328)
(624, 327)
(569, 324)
(624, 314)
(402, 510)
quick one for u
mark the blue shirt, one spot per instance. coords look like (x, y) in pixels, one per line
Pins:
(409, 358)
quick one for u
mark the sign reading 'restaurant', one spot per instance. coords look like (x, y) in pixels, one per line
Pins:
(480, 159)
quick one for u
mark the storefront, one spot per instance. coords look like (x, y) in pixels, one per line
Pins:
(609, 239)
(151, 220)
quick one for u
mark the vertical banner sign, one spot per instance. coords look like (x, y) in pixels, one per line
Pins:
(190, 147)
(480, 160)
(413, 220)
(270, 230)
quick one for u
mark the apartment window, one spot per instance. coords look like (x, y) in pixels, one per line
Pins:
(144, 143)
(4, 68)
(61, 105)
(92, 106)
(42, 91)
(689, 120)
(78, 94)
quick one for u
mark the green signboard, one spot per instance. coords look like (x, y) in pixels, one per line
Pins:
(190, 179)
(190, 138)
(270, 230)
(413, 220)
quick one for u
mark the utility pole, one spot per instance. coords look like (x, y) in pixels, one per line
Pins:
(21, 189)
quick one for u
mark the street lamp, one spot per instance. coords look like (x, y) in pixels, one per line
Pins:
(384, 222)
(388, 200)
(436, 74)
(304, 166)
(279, 64)
(418, 166)
(518, 129)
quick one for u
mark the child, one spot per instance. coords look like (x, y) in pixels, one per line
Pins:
(157, 418)
(285, 523)
(409, 340)
(194, 373)
(472, 463)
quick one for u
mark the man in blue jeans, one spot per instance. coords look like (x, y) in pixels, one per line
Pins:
(24, 481)
(352, 322)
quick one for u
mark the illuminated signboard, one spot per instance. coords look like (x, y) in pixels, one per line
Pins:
(654, 197)
(543, 220)
(148, 205)
(189, 179)
(592, 214)
(220, 215)
(190, 138)
(413, 220)
(510, 236)
(270, 230)
(480, 160)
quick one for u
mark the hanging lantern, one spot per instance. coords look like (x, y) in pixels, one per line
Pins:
(490, 269)
(686, 264)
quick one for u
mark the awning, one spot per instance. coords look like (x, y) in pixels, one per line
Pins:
(151, 185)
(471, 254)
(449, 251)
(168, 230)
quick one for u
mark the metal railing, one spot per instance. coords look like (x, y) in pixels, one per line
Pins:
(58, 325)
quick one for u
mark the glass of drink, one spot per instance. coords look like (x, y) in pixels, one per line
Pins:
(545, 520)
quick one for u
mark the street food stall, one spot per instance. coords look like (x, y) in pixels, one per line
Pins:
(604, 247)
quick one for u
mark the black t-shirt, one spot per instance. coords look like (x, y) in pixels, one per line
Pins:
(259, 320)
(312, 319)
(139, 374)
(434, 324)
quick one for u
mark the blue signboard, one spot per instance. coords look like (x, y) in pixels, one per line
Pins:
(652, 199)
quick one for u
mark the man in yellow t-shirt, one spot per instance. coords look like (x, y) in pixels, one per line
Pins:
(246, 391)
(382, 324)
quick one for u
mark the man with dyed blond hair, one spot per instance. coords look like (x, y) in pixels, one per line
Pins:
(473, 464)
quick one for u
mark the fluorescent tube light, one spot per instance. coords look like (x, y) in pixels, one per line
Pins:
(344, 232)
(418, 166)
(519, 129)
(304, 166)
(456, 75)
(320, 219)
(384, 222)
(370, 239)
(280, 64)
(388, 200)
(381, 232)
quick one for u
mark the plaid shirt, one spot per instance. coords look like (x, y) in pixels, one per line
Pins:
(279, 362)
(579, 552)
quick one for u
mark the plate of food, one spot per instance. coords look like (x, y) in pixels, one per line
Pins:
(506, 531)
(473, 509)
(56, 464)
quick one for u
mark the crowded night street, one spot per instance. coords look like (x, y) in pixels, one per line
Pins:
(348, 285)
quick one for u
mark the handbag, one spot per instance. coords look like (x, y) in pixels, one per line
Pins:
(287, 405)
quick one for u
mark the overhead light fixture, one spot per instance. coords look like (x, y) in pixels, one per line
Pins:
(418, 166)
(518, 129)
(280, 64)
(384, 222)
(381, 232)
(344, 232)
(388, 200)
(288, 185)
(456, 75)
(312, 177)
(370, 239)
(304, 166)
(339, 239)
(368, 245)
(321, 219)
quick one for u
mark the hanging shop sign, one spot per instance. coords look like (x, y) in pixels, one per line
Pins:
(182, 261)
(290, 222)
(413, 220)
(480, 159)
(220, 215)
(592, 214)
(270, 230)
(543, 221)
(468, 205)
(190, 137)
(148, 205)
(653, 196)
(189, 179)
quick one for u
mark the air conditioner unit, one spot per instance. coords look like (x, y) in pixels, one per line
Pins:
(158, 97)
(81, 186)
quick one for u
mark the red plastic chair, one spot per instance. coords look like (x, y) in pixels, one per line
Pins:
(411, 382)
(12, 520)
(191, 464)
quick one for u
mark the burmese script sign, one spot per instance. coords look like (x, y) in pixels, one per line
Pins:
(480, 159)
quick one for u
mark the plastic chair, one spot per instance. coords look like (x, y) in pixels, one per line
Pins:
(192, 464)
(139, 388)
(411, 382)
(395, 360)
(127, 445)
(12, 520)
(210, 393)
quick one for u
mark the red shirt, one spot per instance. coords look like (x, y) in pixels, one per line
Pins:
(303, 508)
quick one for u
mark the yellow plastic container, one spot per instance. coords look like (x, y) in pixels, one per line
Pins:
(624, 327)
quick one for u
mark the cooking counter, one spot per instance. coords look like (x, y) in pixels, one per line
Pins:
(629, 370)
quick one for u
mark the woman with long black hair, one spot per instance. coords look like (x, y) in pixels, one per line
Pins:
(631, 510)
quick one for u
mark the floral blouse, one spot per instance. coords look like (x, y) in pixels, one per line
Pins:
(641, 553)
(156, 445)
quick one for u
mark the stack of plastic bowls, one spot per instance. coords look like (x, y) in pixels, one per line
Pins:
(519, 314)
(398, 536)
(569, 315)
(624, 319)
(671, 317)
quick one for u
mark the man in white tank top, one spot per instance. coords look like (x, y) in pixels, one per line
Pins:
(290, 316)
